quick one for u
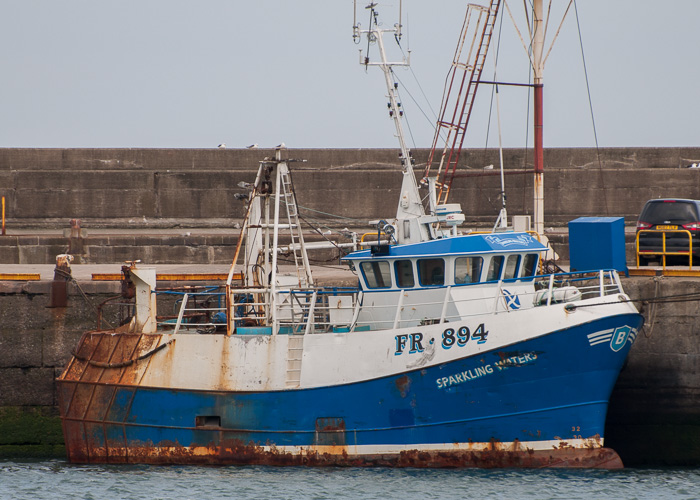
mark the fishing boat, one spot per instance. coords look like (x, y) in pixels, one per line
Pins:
(453, 350)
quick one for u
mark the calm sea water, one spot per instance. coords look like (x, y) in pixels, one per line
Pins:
(56, 479)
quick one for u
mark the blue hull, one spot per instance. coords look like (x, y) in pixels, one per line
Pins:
(550, 389)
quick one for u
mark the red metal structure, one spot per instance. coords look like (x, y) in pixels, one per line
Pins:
(460, 89)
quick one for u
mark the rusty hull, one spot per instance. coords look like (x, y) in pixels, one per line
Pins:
(96, 426)
(235, 452)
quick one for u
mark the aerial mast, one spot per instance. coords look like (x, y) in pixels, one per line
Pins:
(538, 33)
(538, 71)
(410, 208)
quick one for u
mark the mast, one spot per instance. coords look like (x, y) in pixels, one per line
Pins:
(409, 206)
(538, 70)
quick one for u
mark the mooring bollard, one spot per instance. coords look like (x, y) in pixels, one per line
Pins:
(59, 287)
(75, 228)
(76, 240)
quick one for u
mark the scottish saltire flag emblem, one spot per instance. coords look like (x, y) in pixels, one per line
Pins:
(512, 300)
(617, 337)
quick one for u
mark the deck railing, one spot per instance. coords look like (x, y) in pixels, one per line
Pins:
(201, 309)
(304, 311)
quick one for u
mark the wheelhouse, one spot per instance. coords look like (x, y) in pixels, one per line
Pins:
(454, 262)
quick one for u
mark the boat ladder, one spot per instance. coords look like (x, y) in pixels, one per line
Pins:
(295, 350)
(296, 244)
(464, 77)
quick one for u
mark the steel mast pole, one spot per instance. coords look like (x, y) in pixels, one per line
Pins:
(538, 70)
(410, 206)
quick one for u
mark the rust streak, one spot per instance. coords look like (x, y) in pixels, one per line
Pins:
(234, 452)
(403, 384)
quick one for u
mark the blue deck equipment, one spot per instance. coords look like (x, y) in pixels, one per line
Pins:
(597, 243)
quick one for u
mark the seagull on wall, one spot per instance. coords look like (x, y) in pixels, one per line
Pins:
(281, 146)
(253, 146)
(222, 145)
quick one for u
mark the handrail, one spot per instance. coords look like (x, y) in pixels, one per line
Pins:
(663, 251)
(305, 311)
(181, 313)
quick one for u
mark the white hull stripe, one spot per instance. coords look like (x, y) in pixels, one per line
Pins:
(592, 337)
(604, 336)
(388, 449)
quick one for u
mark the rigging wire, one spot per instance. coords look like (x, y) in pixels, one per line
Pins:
(503, 215)
(431, 121)
(590, 105)
(420, 87)
(493, 87)
(319, 232)
(428, 119)
(333, 215)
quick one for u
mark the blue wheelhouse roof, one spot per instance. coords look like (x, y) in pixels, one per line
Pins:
(459, 245)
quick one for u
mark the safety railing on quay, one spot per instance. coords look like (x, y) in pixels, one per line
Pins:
(663, 253)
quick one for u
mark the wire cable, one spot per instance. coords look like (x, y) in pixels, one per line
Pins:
(590, 105)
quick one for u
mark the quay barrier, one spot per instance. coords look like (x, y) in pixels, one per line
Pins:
(663, 251)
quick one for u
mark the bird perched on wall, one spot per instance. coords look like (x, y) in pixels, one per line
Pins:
(281, 146)
(222, 145)
(253, 146)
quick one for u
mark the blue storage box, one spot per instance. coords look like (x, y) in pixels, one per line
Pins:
(597, 243)
(254, 330)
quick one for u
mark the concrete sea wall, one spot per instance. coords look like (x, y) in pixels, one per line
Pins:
(179, 206)
(151, 188)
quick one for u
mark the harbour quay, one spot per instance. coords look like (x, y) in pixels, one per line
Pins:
(179, 208)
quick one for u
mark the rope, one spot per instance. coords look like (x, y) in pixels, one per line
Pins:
(669, 299)
(332, 215)
(652, 313)
(590, 105)
(121, 364)
(493, 87)
(319, 232)
(69, 277)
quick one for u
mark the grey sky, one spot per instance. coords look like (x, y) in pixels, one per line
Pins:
(152, 73)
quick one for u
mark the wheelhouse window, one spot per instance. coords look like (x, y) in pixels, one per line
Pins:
(530, 265)
(404, 274)
(431, 272)
(377, 273)
(512, 266)
(495, 266)
(468, 270)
